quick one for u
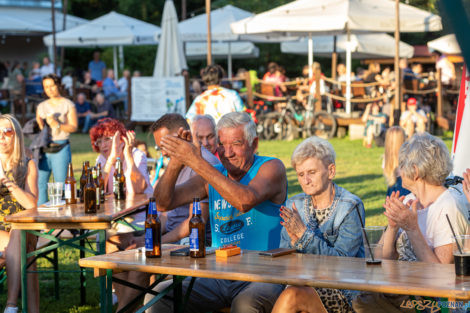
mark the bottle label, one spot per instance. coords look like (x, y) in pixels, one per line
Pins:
(148, 239)
(68, 191)
(194, 240)
(196, 208)
(115, 185)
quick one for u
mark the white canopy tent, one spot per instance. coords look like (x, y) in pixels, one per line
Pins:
(366, 46)
(446, 44)
(18, 21)
(112, 29)
(238, 50)
(223, 39)
(170, 60)
(337, 17)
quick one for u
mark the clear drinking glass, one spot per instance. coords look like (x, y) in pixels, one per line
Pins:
(54, 191)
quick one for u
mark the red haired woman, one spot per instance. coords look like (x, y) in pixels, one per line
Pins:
(110, 138)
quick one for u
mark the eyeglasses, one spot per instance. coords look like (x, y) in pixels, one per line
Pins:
(7, 132)
(103, 140)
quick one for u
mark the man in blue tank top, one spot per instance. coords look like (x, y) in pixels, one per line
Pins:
(245, 194)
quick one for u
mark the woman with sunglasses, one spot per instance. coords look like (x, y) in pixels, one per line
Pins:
(18, 191)
(60, 115)
(111, 140)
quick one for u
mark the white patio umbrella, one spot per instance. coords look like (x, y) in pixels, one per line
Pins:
(336, 17)
(170, 57)
(23, 21)
(112, 29)
(220, 50)
(446, 44)
(195, 30)
(366, 46)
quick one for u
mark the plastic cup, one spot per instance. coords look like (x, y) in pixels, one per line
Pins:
(462, 258)
(54, 191)
(371, 243)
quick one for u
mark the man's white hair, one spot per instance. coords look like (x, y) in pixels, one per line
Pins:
(236, 119)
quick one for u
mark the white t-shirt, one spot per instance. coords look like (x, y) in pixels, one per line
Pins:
(433, 223)
(47, 69)
(414, 118)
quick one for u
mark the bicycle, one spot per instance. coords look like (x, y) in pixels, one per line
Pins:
(294, 119)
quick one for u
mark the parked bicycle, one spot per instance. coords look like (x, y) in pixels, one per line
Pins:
(294, 120)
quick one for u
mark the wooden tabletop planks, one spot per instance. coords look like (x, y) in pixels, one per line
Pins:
(412, 278)
(75, 213)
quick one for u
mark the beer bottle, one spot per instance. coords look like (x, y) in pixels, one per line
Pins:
(101, 183)
(70, 187)
(83, 178)
(197, 232)
(89, 195)
(153, 236)
(96, 184)
(119, 182)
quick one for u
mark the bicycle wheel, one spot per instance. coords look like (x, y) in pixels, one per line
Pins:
(322, 125)
(275, 126)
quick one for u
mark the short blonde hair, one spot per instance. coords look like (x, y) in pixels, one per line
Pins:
(426, 156)
(314, 147)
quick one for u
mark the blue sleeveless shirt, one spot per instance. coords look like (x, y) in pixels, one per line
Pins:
(257, 229)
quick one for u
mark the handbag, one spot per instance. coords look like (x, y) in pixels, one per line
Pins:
(53, 147)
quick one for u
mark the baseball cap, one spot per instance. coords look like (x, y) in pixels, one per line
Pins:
(411, 101)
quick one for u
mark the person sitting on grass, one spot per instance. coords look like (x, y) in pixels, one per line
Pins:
(418, 229)
(375, 123)
(322, 220)
(111, 140)
(18, 192)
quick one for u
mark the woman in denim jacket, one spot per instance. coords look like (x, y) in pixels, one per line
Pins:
(323, 220)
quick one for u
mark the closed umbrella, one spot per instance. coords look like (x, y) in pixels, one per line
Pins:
(170, 57)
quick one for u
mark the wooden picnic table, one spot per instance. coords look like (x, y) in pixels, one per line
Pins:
(71, 217)
(398, 277)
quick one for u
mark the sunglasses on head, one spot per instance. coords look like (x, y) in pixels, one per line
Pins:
(7, 132)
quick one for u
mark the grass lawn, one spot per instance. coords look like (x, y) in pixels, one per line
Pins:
(358, 170)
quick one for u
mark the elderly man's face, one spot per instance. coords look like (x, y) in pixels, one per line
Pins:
(235, 153)
(204, 133)
(314, 176)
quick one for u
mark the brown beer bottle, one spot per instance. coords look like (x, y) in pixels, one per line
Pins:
(101, 183)
(197, 232)
(83, 178)
(70, 187)
(96, 184)
(153, 235)
(89, 195)
(119, 182)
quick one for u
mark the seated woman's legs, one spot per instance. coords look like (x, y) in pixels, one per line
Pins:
(369, 136)
(299, 299)
(13, 267)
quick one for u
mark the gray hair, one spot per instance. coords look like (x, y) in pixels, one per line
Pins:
(235, 119)
(313, 147)
(204, 117)
(426, 156)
